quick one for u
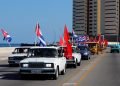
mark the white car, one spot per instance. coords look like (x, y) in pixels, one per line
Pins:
(44, 60)
(17, 55)
(76, 60)
(76, 57)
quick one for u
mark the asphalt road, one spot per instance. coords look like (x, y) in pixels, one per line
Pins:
(100, 70)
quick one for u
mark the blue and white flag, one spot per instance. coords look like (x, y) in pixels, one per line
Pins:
(73, 34)
(39, 35)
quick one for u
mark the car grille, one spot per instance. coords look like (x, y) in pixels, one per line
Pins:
(36, 65)
(19, 58)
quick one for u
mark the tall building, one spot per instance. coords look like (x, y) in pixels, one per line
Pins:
(94, 17)
(80, 16)
(92, 26)
(111, 13)
(85, 17)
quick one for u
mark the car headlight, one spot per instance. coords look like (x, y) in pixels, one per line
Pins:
(85, 53)
(25, 65)
(48, 65)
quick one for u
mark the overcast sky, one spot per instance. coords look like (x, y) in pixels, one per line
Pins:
(19, 18)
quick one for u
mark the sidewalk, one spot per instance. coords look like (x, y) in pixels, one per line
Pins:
(5, 52)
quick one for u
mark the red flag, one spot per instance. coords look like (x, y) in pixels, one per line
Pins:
(37, 30)
(106, 42)
(4, 33)
(68, 51)
(66, 34)
(61, 43)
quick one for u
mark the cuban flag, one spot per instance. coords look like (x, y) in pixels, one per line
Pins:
(39, 35)
(6, 36)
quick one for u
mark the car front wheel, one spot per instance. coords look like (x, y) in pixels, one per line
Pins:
(55, 76)
(64, 71)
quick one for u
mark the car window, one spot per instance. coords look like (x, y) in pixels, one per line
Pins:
(45, 52)
(81, 47)
(20, 50)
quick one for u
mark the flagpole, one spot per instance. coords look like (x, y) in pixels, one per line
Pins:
(35, 40)
(72, 40)
(36, 35)
(9, 44)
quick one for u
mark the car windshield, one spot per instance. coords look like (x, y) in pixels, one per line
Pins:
(43, 52)
(82, 47)
(115, 46)
(20, 50)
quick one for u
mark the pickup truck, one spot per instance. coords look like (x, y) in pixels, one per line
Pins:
(17, 55)
(43, 60)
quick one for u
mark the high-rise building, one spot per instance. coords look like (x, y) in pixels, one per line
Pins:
(80, 16)
(85, 17)
(92, 8)
(111, 15)
(94, 17)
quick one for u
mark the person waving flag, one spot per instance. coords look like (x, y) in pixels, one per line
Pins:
(6, 36)
(39, 35)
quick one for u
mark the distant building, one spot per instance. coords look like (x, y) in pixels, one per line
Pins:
(85, 17)
(112, 14)
(80, 16)
(94, 17)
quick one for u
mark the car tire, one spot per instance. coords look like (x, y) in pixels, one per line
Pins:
(55, 76)
(10, 65)
(87, 58)
(22, 76)
(64, 71)
(79, 63)
(75, 65)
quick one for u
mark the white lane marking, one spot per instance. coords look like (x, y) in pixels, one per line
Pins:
(70, 84)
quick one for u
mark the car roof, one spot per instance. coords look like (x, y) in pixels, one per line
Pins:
(22, 47)
(46, 47)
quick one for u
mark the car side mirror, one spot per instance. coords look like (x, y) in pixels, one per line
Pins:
(13, 52)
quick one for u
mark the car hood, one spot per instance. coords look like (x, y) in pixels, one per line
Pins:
(18, 55)
(83, 51)
(45, 60)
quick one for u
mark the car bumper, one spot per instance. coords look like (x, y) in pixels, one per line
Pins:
(70, 62)
(37, 71)
(14, 62)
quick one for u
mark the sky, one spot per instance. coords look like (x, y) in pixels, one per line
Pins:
(19, 18)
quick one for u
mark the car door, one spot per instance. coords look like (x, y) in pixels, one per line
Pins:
(62, 60)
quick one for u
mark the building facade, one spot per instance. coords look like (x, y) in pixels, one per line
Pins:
(80, 16)
(85, 17)
(111, 13)
(94, 17)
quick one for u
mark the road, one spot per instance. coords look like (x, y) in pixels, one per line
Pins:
(100, 70)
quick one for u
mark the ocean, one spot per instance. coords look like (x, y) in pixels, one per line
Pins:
(7, 45)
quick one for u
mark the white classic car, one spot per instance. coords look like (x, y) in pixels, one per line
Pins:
(76, 60)
(43, 60)
(76, 56)
(17, 55)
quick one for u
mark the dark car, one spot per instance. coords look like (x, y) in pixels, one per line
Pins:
(85, 52)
